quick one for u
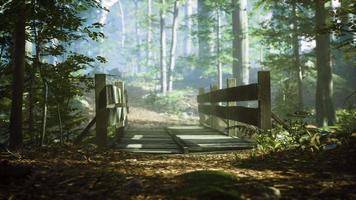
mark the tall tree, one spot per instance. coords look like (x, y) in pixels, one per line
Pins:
(138, 39)
(172, 56)
(18, 76)
(204, 31)
(325, 112)
(188, 10)
(149, 33)
(218, 61)
(240, 42)
(163, 66)
(296, 54)
(123, 31)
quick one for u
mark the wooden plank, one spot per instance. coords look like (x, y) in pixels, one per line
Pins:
(153, 151)
(223, 145)
(231, 82)
(147, 146)
(214, 123)
(101, 111)
(146, 140)
(145, 136)
(202, 117)
(212, 149)
(218, 142)
(237, 113)
(264, 97)
(238, 93)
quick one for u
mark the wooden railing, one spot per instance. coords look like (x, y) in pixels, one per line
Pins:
(111, 108)
(211, 103)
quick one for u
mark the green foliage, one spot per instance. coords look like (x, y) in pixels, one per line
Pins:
(208, 185)
(174, 102)
(306, 137)
(347, 120)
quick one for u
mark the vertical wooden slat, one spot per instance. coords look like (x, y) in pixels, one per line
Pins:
(201, 115)
(101, 110)
(231, 82)
(214, 121)
(264, 99)
(120, 86)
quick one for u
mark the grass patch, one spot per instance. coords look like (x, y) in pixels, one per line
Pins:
(208, 185)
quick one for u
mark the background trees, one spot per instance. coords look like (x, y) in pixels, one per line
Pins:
(307, 45)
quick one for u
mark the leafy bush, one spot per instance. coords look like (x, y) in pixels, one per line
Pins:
(347, 120)
(175, 102)
(305, 137)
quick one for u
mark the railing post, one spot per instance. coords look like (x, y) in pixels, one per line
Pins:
(214, 122)
(202, 118)
(122, 101)
(101, 110)
(231, 82)
(264, 99)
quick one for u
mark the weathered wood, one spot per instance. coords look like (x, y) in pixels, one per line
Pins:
(237, 113)
(237, 93)
(85, 132)
(100, 109)
(202, 117)
(214, 121)
(264, 100)
(231, 82)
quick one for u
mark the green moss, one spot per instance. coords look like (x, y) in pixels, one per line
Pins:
(208, 185)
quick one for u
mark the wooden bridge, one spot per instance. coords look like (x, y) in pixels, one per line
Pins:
(219, 114)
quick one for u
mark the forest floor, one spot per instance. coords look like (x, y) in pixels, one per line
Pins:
(86, 172)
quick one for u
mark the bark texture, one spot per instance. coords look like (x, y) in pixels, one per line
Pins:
(240, 42)
(163, 50)
(18, 78)
(325, 112)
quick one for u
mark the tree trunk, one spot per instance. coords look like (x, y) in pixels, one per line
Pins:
(188, 24)
(149, 33)
(18, 79)
(60, 124)
(325, 112)
(123, 31)
(163, 49)
(138, 42)
(219, 67)
(204, 32)
(44, 111)
(240, 42)
(172, 57)
(296, 54)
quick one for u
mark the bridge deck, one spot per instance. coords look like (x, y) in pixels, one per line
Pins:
(179, 139)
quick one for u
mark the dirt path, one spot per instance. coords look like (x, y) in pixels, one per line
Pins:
(87, 173)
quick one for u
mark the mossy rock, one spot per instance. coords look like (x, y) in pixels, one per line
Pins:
(207, 185)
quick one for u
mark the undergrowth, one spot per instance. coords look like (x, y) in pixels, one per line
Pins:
(300, 135)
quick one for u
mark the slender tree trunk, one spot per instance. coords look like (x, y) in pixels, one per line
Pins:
(163, 50)
(18, 78)
(149, 33)
(219, 66)
(31, 103)
(325, 112)
(240, 42)
(60, 124)
(138, 42)
(188, 24)
(172, 59)
(123, 31)
(44, 111)
(204, 32)
(296, 54)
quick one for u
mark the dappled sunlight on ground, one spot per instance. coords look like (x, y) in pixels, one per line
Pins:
(71, 173)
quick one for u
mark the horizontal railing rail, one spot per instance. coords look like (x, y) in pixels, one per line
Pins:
(210, 103)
